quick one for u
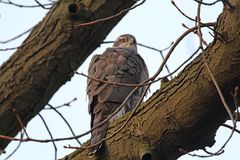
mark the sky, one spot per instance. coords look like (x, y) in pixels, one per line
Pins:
(156, 23)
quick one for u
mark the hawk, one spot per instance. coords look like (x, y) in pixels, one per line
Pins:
(120, 63)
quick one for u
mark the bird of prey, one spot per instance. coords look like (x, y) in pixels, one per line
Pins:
(120, 63)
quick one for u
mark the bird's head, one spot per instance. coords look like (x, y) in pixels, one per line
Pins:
(126, 41)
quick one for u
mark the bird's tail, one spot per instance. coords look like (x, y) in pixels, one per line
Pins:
(98, 133)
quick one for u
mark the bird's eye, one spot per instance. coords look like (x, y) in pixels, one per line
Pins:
(122, 40)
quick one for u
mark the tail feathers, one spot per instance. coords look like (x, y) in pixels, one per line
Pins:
(99, 113)
(97, 135)
(95, 148)
(93, 151)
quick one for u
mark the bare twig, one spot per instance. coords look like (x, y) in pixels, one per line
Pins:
(225, 2)
(235, 96)
(18, 146)
(232, 128)
(8, 49)
(20, 121)
(238, 116)
(208, 4)
(36, 34)
(210, 153)
(70, 128)
(110, 17)
(192, 19)
(44, 6)
(196, 155)
(50, 134)
(67, 104)
(161, 53)
(185, 15)
(16, 37)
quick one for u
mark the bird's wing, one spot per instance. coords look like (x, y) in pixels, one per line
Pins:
(114, 65)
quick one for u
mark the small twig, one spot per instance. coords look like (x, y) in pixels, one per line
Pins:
(185, 15)
(237, 115)
(27, 6)
(70, 128)
(145, 46)
(18, 146)
(20, 121)
(232, 128)
(50, 134)
(39, 31)
(16, 37)
(210, 153)
(160, 78)
(111, 83)
(208, 4)
(196, 155)
(42, 5)
(155, 49)
(188, 17)
(225, 2)
(235, 96)
(68, 104)
(8, 49)
(160, 51)
(110, 17)
(219, 90)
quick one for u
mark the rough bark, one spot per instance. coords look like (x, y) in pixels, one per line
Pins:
(186, 113)
(48, 57)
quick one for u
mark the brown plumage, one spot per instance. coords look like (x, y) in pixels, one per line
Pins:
(120, 63)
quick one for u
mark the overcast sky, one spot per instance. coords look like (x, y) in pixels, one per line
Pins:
(156, 23)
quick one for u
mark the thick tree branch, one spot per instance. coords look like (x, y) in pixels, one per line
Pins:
(186, 112)
(49, 56)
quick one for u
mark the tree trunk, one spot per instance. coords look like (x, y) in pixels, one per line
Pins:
(49, 56)
(185, 114)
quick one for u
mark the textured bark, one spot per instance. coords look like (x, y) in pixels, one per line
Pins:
(48, 57)
(186, 113)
